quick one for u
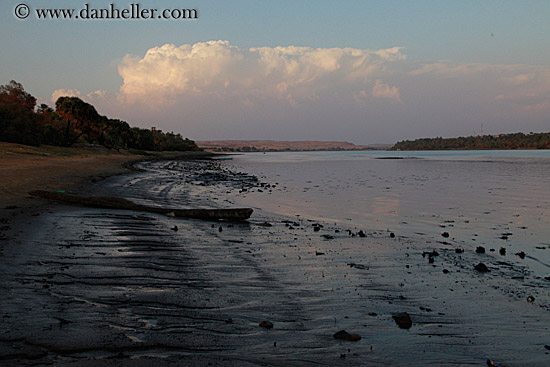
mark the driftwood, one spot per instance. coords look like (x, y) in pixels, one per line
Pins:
(107, 202)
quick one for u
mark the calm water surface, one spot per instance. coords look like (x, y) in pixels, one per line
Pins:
(481, 198)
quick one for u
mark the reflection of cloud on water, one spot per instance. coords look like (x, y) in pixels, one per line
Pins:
(385, 205)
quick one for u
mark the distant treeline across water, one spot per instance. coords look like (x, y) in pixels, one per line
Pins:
(502, 141)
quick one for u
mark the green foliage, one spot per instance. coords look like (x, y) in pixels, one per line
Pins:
(503, 141)
(75, 121)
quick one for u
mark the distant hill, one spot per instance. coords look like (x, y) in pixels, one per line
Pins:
(501, 141)
(276, 146)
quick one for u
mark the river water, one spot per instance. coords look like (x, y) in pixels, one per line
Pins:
(494, 199)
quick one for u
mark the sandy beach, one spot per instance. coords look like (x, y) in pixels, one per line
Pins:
(25, 168)
(103, 287)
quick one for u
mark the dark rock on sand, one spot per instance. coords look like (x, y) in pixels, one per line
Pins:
(327, 237)
(392, 235)
(547, 347)
(344, 335)
(403, 320)
(265, 224)
(530, 299)
(361, 234)
(220, 229)
(481, 267)
(521, 255)
(480, 250)
(459, 250)
(266, 324)
(445, 234)
(502, 251)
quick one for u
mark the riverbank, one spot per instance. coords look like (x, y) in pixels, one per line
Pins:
(102, 287)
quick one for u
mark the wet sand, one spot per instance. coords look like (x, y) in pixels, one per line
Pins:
(101, 287)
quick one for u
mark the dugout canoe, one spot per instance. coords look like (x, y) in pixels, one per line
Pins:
(108, 202)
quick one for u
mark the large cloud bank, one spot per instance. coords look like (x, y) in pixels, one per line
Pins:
(217, 68)
(216, 90)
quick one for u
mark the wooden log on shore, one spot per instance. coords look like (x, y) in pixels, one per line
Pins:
(107, 202)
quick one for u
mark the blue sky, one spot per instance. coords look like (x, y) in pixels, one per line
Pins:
(86, 56)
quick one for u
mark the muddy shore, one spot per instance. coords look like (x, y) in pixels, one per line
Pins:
(100, 287)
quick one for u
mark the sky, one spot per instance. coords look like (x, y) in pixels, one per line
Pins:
(361, 71)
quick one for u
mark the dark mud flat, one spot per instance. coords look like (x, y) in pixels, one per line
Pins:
(95, 287)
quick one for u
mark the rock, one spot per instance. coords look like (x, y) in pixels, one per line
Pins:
(445, 234)
(344, 335)
(319, 253)
(459, 250)
(392, 235)
(547, 347)
(327, 237)
(521, 255)
(502, 251)
(316, 229)
(482, 268)
(480, 250)
(445, 271)
(530, 299)
(220, 229)
(361, 234)
(175, 228)
(171, 214)
(265, 224)
(266, 324)
(403, 320)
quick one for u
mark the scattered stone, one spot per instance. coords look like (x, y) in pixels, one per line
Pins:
(502, 251)
(170, 214)
(265, 224)
(175, 228)
(547, 347)
(430, 254)
(459, 250)
(372, 314)
(445, 271)
(319, 253)
(220, 229)
(316, 229)
(266, 324)
(482, 268)
(361, 234)
(327, 237)
(480, 250)
(344, 335)
(392, 235)
(403, 320)
(530, 299)
(445, 234)
(521, 255)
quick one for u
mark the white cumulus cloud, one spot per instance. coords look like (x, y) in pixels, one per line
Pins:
(381, 90)
(219, 69)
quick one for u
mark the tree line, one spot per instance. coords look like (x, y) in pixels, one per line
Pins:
(502, 141)
(74, 121)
